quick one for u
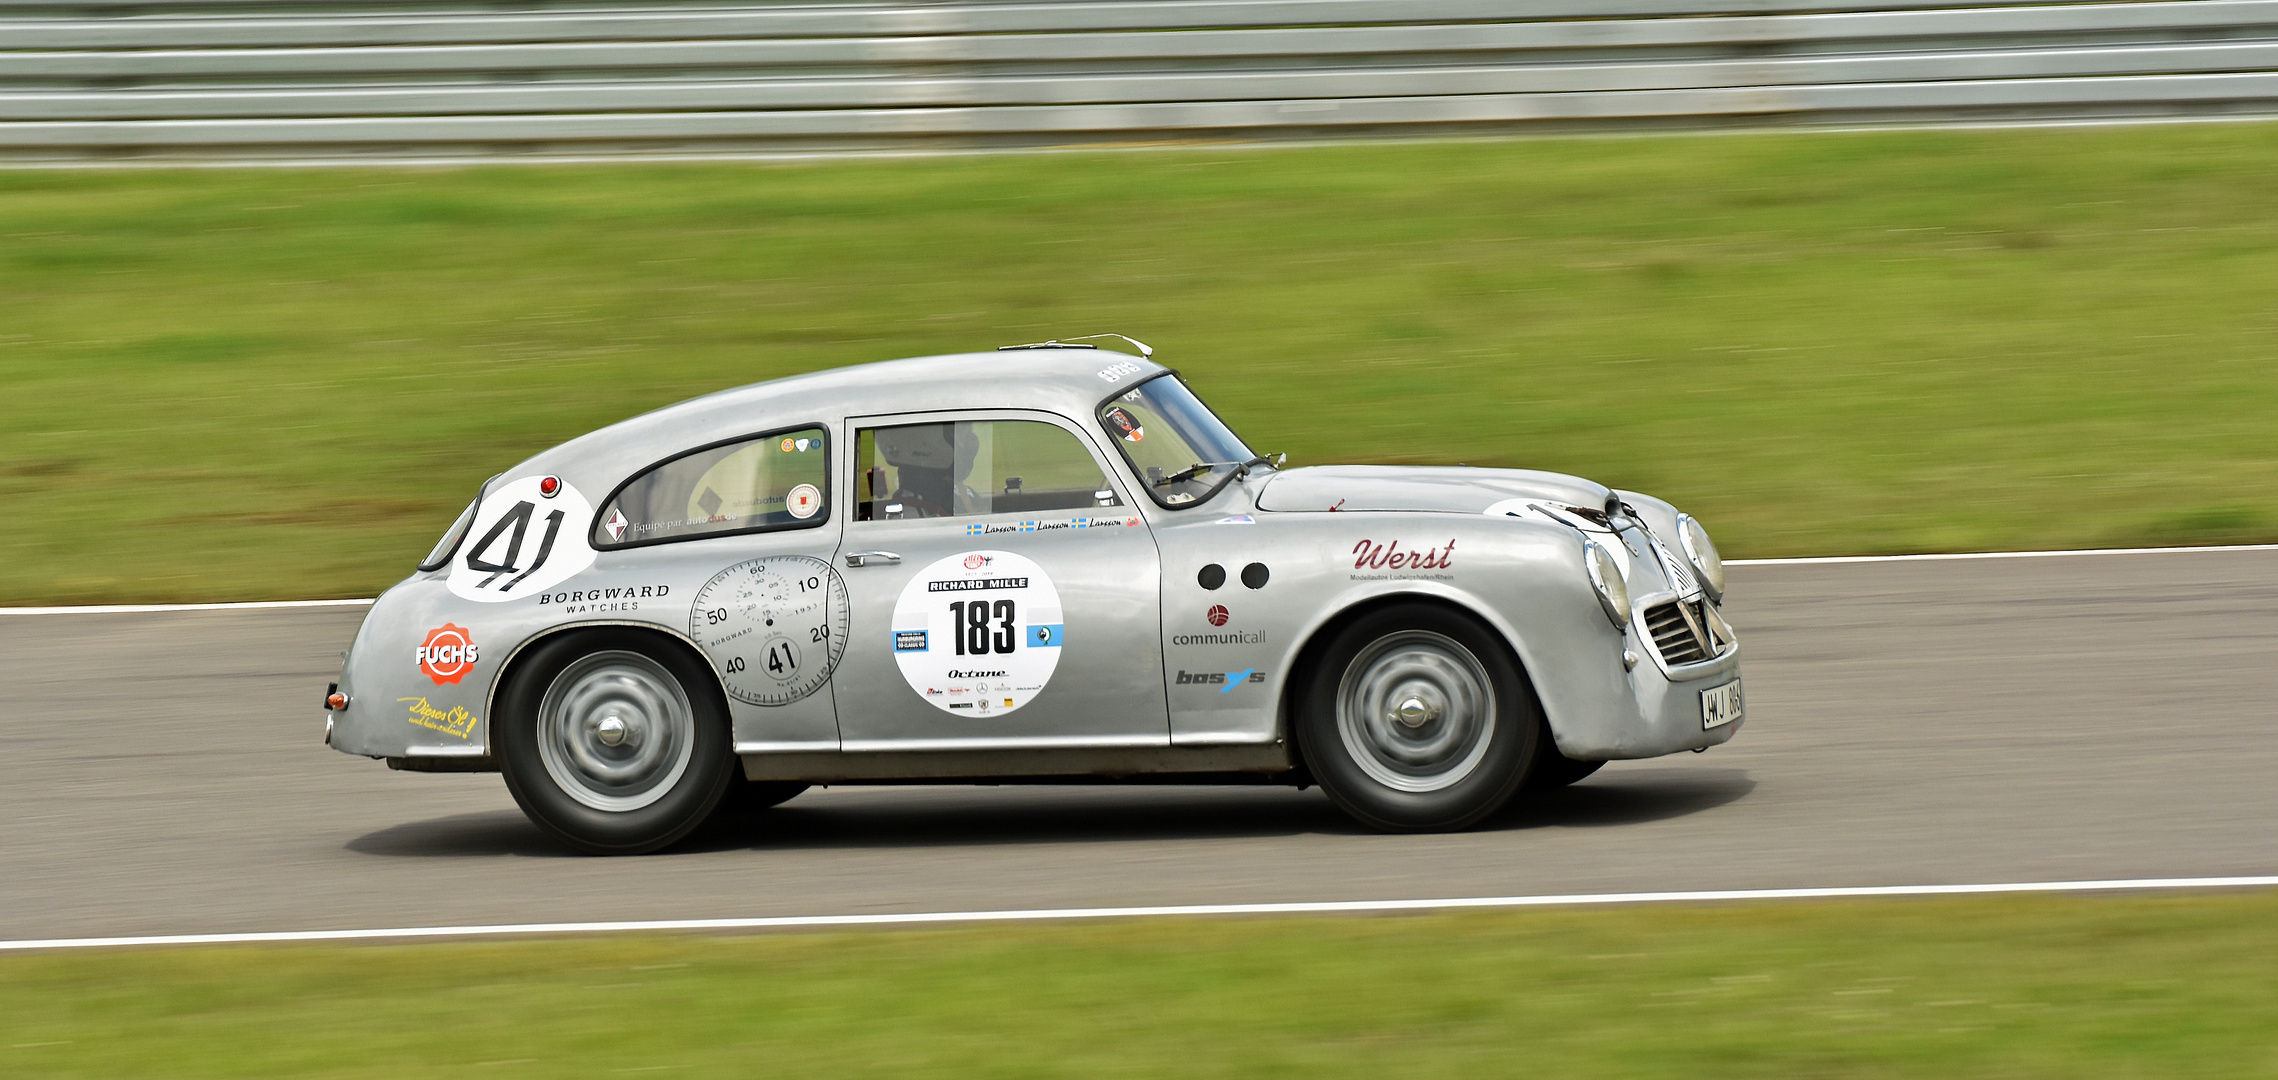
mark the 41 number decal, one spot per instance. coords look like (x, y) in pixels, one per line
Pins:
(523, 541)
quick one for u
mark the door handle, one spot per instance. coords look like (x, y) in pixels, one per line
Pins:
(863, 558)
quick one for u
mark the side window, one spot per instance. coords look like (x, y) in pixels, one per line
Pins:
(973, 467)
(769, 482)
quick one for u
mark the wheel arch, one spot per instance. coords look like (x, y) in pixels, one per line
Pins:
(1317, 641)
(671, 639)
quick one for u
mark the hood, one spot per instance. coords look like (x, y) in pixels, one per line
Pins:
(1448, 489)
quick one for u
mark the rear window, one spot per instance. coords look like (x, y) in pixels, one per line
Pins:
(773, 481)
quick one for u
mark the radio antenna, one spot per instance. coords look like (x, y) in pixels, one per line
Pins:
(1145, 353)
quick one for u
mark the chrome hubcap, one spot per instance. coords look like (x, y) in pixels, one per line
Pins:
(611, 731)
(615, 731)
(1416, 711)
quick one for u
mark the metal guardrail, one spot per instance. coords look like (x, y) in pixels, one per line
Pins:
(238, 78)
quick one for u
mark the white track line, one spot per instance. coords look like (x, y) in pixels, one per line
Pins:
(1997, 555)
(115, 609)
(1331, 907)
(111, 609)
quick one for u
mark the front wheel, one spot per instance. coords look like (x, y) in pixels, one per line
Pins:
(1417, 719)
(614, 741)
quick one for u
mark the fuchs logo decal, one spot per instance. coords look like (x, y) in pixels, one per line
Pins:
(1217, 615)
(975, 562)
(1370, 555)
(447, 654)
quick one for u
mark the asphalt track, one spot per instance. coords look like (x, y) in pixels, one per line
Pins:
(1976, 720)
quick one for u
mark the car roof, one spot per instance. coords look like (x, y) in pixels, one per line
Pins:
(1069, 381)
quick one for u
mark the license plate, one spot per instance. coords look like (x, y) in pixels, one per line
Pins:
(1720, 705)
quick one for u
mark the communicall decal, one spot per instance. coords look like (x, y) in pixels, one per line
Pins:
(774, 626)
(978, 633)
(447, 654)
(528, 536)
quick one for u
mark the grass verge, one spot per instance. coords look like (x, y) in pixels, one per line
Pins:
(2060, 987)
(245, 384)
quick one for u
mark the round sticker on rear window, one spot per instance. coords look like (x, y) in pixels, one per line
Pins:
(523, 540)
(978, 633)
(803, 500)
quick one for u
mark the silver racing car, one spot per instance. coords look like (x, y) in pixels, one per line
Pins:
(1042, 563)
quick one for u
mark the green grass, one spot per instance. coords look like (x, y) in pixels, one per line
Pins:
(2017, 987)
(236, 384)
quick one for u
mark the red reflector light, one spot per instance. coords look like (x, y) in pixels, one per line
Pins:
(550, 486)
(336, 702)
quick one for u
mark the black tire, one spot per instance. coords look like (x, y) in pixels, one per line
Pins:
(753, 796)
(661, 780)
(1455, 757)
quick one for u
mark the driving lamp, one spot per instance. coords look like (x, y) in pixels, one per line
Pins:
(1605, 576)
(1701, 552)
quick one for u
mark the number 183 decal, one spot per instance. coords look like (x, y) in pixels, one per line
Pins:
(978, 633)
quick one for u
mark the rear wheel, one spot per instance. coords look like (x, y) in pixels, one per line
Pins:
(614, 741)
(1417, 719)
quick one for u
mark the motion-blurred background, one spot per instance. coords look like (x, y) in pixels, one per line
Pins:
(282, 282)
(242, 383)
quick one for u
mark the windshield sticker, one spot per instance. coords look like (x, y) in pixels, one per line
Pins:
(447, 654)
(804, 500)
(1133, 430)
(455, 721)
(523, 542)
(775, 627)
(1117, 372)
(978, 633)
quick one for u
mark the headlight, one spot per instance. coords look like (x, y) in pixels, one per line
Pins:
(1605, 576)
(1701, 551)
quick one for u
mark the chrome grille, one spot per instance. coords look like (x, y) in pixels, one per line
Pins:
(1680, 576)
(1672, 635)
(1686, 632)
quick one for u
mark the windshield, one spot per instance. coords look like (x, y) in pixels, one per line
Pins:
(1182, 451)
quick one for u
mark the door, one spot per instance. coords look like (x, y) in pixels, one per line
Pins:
(1003, 590)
